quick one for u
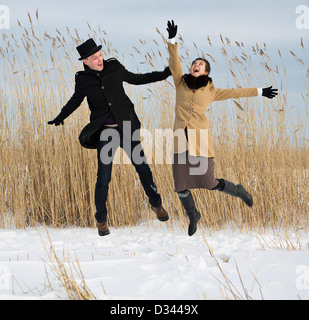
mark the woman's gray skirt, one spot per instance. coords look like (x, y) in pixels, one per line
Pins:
(191, 172)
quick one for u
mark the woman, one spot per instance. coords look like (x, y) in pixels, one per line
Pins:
(193, 165)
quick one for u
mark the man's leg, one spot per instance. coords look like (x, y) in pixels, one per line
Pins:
(145, 175)
(101, 190)
(105, 154)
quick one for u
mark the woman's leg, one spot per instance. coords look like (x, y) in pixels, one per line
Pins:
(188, 203)
(226, 186)
(234, 190)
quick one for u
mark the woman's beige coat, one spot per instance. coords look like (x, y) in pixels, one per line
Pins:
(191, 106)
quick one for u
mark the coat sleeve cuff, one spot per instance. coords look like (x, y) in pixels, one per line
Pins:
(172, 41)
(260, 91)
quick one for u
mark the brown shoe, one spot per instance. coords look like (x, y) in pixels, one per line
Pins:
(161, 213)
(103, 228)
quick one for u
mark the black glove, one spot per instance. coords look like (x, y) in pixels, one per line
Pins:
(57, 121)
(171, 29)
(167, 72)
(269, 92)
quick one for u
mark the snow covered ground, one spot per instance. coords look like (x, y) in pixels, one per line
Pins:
(156, 262)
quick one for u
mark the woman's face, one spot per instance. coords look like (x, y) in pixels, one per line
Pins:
(198, 68)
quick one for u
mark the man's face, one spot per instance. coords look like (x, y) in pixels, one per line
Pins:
(95, 61)
(198, 68)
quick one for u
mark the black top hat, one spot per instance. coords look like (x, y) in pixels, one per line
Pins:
(87, 48)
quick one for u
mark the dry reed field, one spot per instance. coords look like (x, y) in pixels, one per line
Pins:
(47, 177)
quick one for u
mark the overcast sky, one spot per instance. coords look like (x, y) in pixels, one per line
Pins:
(127, 21)
(267, 21)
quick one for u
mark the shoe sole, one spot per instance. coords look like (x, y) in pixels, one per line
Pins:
(163, 219)
(195, 229)
(105, 233)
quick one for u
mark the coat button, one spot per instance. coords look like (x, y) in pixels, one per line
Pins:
(102, 87)
(98, 74)
(109, 104)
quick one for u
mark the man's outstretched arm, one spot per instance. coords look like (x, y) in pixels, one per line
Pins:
(75, 101)
(138, 79)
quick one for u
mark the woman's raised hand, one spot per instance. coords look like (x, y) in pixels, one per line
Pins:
(171, 29)
(269, 92)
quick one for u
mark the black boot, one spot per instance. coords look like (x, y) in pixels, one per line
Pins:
(187, 201)
(237, 191)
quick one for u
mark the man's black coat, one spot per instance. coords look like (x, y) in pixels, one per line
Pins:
(105, 93)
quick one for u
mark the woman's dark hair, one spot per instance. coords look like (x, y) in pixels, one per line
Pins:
(207, 69)
(195, 83)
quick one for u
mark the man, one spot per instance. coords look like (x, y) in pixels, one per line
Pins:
(102, 84)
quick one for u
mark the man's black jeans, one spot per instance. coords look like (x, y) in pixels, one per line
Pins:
(111, 139)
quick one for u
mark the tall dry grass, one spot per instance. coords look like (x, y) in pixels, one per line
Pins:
(68, 274)
(47, 177)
